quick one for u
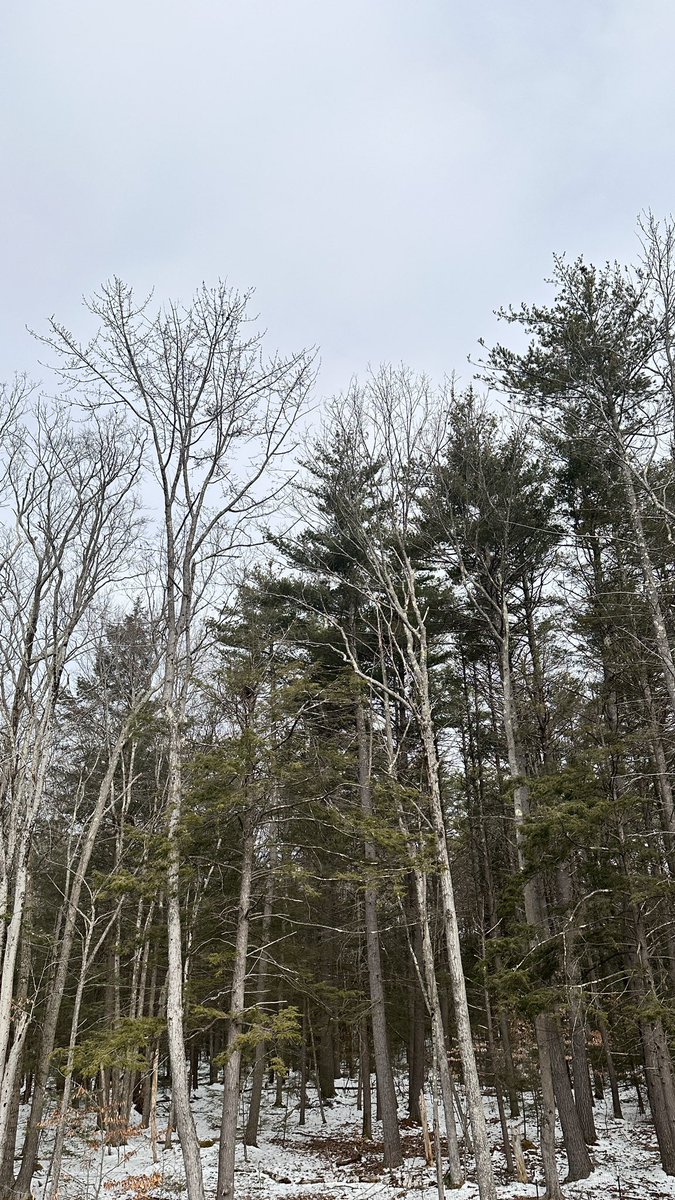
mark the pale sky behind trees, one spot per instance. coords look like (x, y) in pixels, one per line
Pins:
(385, 173)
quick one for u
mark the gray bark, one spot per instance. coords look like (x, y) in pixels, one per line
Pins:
(393, 1155)
(228, 1128)
(578, 1159)
(251, 1132)
(651, 587)
(417, 657)
(56, 991)
(427, 979)
(611, 1069)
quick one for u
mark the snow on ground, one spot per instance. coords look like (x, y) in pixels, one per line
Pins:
(294, 1163)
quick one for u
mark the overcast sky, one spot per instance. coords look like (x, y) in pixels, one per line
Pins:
(385, 173)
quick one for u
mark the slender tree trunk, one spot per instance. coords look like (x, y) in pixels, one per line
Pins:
(152, 1113)
(28, 791)
(492, 1052)
(483, 868)
(554, 1085)
(251, 1133)
(617, 1111)
(367, 1098)
(664, 786)
(10, 1085)
(661, 639)
(88, 956)
(427, 977)
(228, 1128)
(9, 1079)
(303, 1068)
(505, 1041)
(325, 1064)
(426, 974)
(11, 952)
(583, 1097)
(485, 1175)
(393, 1155)
(553, 1188)
(175, 1016)
(416, 1038)
(659, 1074)
(317, 1081)
(57, 988)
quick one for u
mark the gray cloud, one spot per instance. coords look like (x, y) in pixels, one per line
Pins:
(385, 173)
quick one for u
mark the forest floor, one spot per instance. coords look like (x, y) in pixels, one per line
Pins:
(302, 1163)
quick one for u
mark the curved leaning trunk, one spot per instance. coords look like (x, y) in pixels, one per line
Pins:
(56, 992)
(418, 663)
(486, 1184)
(87, 958)
(455, 1172)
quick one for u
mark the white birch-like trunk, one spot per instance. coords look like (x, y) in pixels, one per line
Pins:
(427, 972)
(57, 989)
(175, 1014)
(485, 1175)
(429, 985)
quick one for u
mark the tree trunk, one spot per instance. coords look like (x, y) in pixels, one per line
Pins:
(485, 1175)
(579, 1165)
(554, 1081)
(659, 1075)
(553, 1188)
(228, 1128)
(583, 1097)
(325, 1064)
(661, 640)
(366, 1094)
(611, 1069)
(393, 1155)
(303, 1068)
(505, 1040)
(10, 1084)
(492, 1052)
(58, 984)
(658, 1100)
(416, 1039)
(180, 1096)
(251, 1132)
(427, 977)
(88, 956)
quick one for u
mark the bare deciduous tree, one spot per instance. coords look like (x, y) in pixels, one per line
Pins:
(69, 523)
(218, 419)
